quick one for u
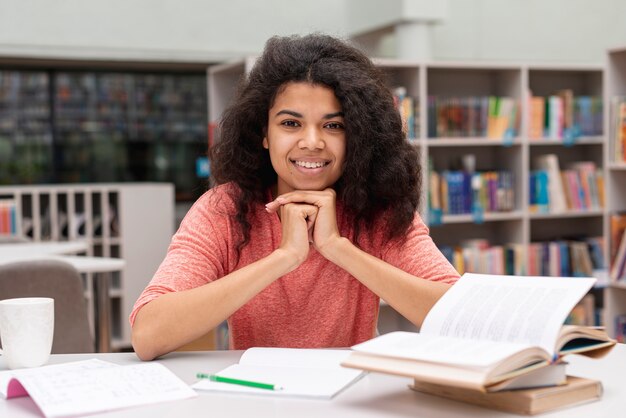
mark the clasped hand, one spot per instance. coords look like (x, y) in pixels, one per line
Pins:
(307, 217)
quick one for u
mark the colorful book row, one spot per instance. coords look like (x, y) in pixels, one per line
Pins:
(461, 192)
(563, 116)
(566, 258)
(478, 256)
(552, 190)
(486, 116)
(556, 258)
(8, 217)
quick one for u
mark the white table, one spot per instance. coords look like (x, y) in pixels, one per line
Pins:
(43, 248)
(375, 396)
(101, 267)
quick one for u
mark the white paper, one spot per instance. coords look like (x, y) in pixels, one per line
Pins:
(87, 387)
(82, 366)
(435, 349)
(299, 372)
(525, 310)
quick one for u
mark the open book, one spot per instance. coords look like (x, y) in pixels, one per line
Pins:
(486, 330)
(90, 386)
(295, 372)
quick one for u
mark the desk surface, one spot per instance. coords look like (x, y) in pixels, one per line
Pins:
(43, 248)
(83, 264)
(376, 395)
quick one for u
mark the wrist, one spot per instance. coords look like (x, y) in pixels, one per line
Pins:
(286, 260)
(335, 249)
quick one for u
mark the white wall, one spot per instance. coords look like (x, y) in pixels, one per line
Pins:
(213, 30)
(524, 30)
(178, 30)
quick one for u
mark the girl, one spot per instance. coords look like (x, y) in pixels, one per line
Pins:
(313, 219)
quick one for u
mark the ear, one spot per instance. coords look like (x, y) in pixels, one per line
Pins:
(265, 143)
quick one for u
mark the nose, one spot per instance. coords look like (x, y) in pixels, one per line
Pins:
(312, 139)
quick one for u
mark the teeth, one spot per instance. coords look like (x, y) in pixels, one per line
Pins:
(308, 164)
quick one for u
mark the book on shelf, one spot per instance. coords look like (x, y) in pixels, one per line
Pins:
(8, 217)
(531, 401)
(572, 258)
(550, 164)
(486, 330)
(620, 328)
(406, 106)
(619, 129)
(584, 312)
(474, 116)
(458, 192)
(563, 114)
(503, 117)
(537, 109)
(617, 236)
(92, 386)
(618, 268)
(298, 372)
(479, 256)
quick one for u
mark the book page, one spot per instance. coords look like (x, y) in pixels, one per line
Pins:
(82, 388)
(526, 310)
(313, 373)
(294, 357)
(436, 349)
(83, 366)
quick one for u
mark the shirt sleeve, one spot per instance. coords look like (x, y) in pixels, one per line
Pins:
(417, 254)
(198, 252)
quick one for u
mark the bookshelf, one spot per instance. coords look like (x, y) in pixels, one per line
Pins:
(71, 125)
(117, 220)
(616, 182)
(467, 85)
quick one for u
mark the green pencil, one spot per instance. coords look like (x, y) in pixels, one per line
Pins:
(249, 383)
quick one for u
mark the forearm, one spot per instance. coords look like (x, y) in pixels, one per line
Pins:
(410, 296)
(177, 318)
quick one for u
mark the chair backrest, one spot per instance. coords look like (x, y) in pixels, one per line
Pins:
(62, 282)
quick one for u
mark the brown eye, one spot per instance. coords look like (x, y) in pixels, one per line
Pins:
(290, 123)
(334, 125)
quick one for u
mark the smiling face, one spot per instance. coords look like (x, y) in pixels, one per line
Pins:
(306, 137)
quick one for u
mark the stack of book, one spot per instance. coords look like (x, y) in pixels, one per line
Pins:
(496, 341)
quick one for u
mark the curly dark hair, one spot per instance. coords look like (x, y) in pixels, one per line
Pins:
(381, 171)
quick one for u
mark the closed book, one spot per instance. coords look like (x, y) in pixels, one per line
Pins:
(533, 401)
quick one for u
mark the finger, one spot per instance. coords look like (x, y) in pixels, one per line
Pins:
(272, 206)
(312, 197)
(310, 220)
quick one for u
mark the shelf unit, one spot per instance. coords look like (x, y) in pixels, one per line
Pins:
(103, 126)
(615, 175)
(516, 154)
(132, 221)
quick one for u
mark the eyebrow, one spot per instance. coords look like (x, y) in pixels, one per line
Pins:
(299, 115)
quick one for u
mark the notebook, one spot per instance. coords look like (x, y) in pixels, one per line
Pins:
(90, 386)
(298, 372)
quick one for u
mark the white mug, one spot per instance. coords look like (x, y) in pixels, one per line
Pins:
(26, 331)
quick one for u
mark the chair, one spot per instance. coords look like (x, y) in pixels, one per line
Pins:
(62, 282)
